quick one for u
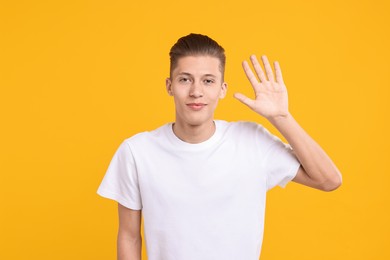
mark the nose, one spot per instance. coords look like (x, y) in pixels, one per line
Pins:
(196, 90)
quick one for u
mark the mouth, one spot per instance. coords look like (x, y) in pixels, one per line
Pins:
(196, 106)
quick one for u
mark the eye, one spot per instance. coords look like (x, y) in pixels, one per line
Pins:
(184, 80)
(208, 81)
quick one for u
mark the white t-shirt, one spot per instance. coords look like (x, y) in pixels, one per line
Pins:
(200, 201)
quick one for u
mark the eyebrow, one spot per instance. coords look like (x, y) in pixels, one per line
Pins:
(185, 73)
(189, 74)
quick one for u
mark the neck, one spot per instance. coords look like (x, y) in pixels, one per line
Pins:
(194, 133)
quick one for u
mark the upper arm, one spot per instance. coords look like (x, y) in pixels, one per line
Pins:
(129, 222)
(303, 178)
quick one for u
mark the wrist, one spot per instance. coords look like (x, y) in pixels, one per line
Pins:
(280, 118)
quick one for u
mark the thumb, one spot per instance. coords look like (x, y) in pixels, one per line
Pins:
(244, 99)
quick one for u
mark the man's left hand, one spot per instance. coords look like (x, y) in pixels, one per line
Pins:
(271, 100)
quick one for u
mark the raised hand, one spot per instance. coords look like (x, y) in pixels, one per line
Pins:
(271, 100)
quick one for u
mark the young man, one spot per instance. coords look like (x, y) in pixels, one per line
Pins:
(201, 183)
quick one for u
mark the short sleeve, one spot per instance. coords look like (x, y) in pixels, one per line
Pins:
(120, 182)
(279, 162)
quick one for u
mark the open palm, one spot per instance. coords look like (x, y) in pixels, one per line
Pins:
(271, 100)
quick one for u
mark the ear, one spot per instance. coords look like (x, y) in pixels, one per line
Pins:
(224, 87)
(168, 85)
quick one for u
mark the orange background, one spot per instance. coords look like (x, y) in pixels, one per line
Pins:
(78, 77)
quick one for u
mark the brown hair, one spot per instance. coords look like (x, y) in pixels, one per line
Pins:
(195, 45)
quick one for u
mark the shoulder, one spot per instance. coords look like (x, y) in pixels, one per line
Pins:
(147, 136)
(242, 127)
(148, 140)
(251, 131)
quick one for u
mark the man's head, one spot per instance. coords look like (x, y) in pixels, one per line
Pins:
(197, 45)
(196, 79)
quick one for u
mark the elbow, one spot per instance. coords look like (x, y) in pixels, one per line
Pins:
(332, 183)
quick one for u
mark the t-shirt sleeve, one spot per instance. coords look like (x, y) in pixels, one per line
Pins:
(279, 162)
(120, 183)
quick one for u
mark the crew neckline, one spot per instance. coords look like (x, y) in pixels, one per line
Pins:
(177, 142)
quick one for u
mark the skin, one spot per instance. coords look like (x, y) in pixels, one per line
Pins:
(198, 80)
(271, 101)
(129, 240)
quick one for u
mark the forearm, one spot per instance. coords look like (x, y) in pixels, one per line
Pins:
(316, 163)
(129, 248)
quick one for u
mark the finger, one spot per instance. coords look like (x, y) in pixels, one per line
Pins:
(245, 100)
(278, 73)
(268, 69)
(249, 74)
(258, 69)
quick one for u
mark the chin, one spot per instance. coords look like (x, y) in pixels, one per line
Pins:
(196, 122)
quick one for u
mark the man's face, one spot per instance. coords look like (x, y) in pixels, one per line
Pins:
(196, 85)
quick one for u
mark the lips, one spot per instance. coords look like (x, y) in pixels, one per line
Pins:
(196, 106)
